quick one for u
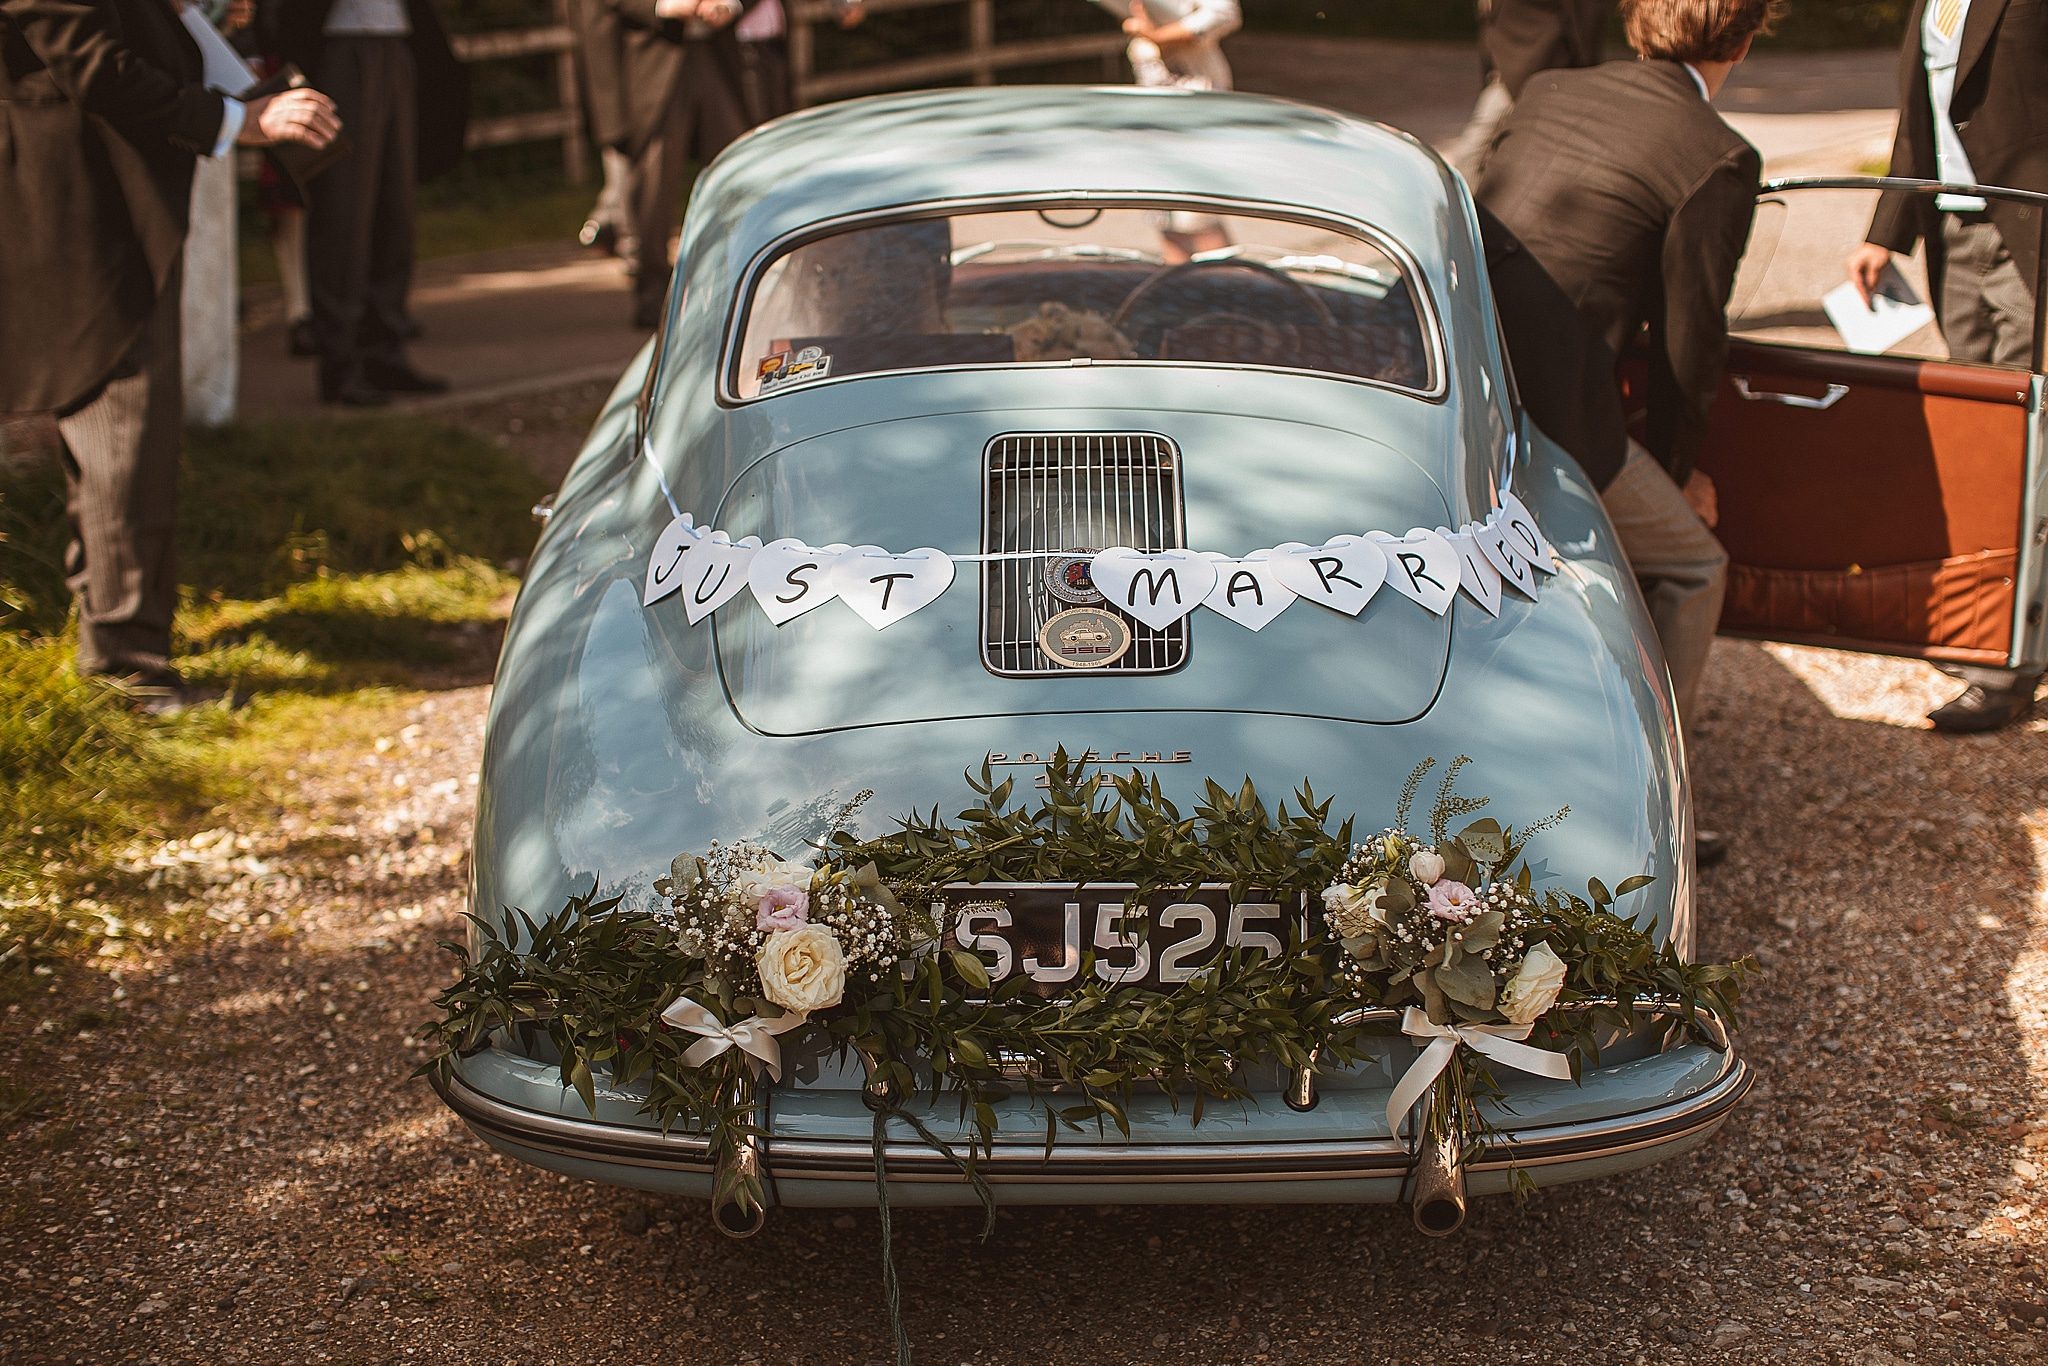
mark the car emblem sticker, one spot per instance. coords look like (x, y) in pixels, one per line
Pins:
(1067, 578)
(1085, 637)
(783, 368)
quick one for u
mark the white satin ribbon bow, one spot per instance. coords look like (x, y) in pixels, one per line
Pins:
(754, 1036)
(1501, 1042)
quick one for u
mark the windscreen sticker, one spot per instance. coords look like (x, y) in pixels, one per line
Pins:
(781, 367)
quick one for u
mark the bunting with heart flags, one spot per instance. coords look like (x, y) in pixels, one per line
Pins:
(1425, 567)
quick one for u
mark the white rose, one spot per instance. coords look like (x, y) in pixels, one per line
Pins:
(1536, 985)
(1426, 867)
(1354, 911)
(802, 969)
(755, 883)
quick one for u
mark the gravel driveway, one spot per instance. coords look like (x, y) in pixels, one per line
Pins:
(217, 1155)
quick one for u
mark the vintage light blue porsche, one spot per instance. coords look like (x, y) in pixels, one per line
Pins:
(1016, 328)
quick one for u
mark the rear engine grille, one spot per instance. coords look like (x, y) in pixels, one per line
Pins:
(1079, 492)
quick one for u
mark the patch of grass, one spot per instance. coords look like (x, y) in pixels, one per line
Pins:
(324, 562)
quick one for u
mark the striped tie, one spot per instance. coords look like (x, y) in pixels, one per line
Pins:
(1946, 15)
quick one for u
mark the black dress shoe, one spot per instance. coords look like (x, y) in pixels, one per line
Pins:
(299, 342)
(354, 393)
(403, 379)
(1709, 847)
(1980, 709)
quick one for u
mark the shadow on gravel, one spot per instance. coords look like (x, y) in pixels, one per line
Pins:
(252, 1178)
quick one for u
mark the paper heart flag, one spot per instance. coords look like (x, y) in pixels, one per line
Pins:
(1421, 565)
(665, 565)
(1342, 573)
(717, 571)
(1516, 523)
(1476, 574)
(1247, 591)
(789, 578)
(1158, 587)
(1505, 556)
(885, 588)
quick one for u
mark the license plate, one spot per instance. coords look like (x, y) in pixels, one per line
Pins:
(1052, 935)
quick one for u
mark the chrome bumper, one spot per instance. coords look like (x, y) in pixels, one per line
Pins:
(818, 1170)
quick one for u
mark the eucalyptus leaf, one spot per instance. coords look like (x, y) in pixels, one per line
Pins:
(1468, 980)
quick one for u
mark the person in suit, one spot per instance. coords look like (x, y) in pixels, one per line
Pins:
(404, 100)
(683, 102)
(103, 116)
(1634, 197)
(1517, 39)
(768, 86)
(600, 52)
(1973, 110)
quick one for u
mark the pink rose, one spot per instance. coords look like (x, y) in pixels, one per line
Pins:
(1453, 901)
(782, 908)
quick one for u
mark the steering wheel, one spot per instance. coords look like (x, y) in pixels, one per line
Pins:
(1160, 279)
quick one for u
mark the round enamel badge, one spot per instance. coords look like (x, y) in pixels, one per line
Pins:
(1085, 637)
(1067, 578)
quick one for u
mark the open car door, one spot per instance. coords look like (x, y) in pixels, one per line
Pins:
(1890, 502)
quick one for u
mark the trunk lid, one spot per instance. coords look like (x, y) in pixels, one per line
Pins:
(975, 483)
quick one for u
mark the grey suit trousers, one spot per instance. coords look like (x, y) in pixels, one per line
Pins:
(702, 118)
(121, 449)
(1681, 568)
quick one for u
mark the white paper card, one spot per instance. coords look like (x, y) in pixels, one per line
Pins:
(1158, 587)
(717, 570)
(1893, 314)
(223, 68)
(1505, 556)
(885, 588)
(789, 578)
(1421, 566)
(1518, 524)
(1476, 574)
(665, 564)
(1247, 590)
(1342, 573)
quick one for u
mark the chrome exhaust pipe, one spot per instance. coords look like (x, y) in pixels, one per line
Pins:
(733, 1218)
(743, 1165)
(1300, 1094)
(1437, 1198)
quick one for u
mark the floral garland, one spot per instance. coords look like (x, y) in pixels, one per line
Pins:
(692, 999)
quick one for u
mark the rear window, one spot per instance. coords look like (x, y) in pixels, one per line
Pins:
(1059, 284)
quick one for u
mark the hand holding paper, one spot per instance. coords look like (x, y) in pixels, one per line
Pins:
(1891, 313)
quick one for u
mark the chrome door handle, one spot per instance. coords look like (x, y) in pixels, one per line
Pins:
(1818, 404)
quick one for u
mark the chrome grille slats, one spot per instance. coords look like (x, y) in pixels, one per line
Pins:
(1072, 491)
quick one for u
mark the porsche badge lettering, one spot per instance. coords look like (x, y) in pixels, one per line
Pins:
(1067, 579)
(1085, 637)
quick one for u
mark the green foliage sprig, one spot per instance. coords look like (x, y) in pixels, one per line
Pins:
(590, 982)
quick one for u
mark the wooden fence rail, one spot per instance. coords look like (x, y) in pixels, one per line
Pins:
(977, 60)
(565, 120)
